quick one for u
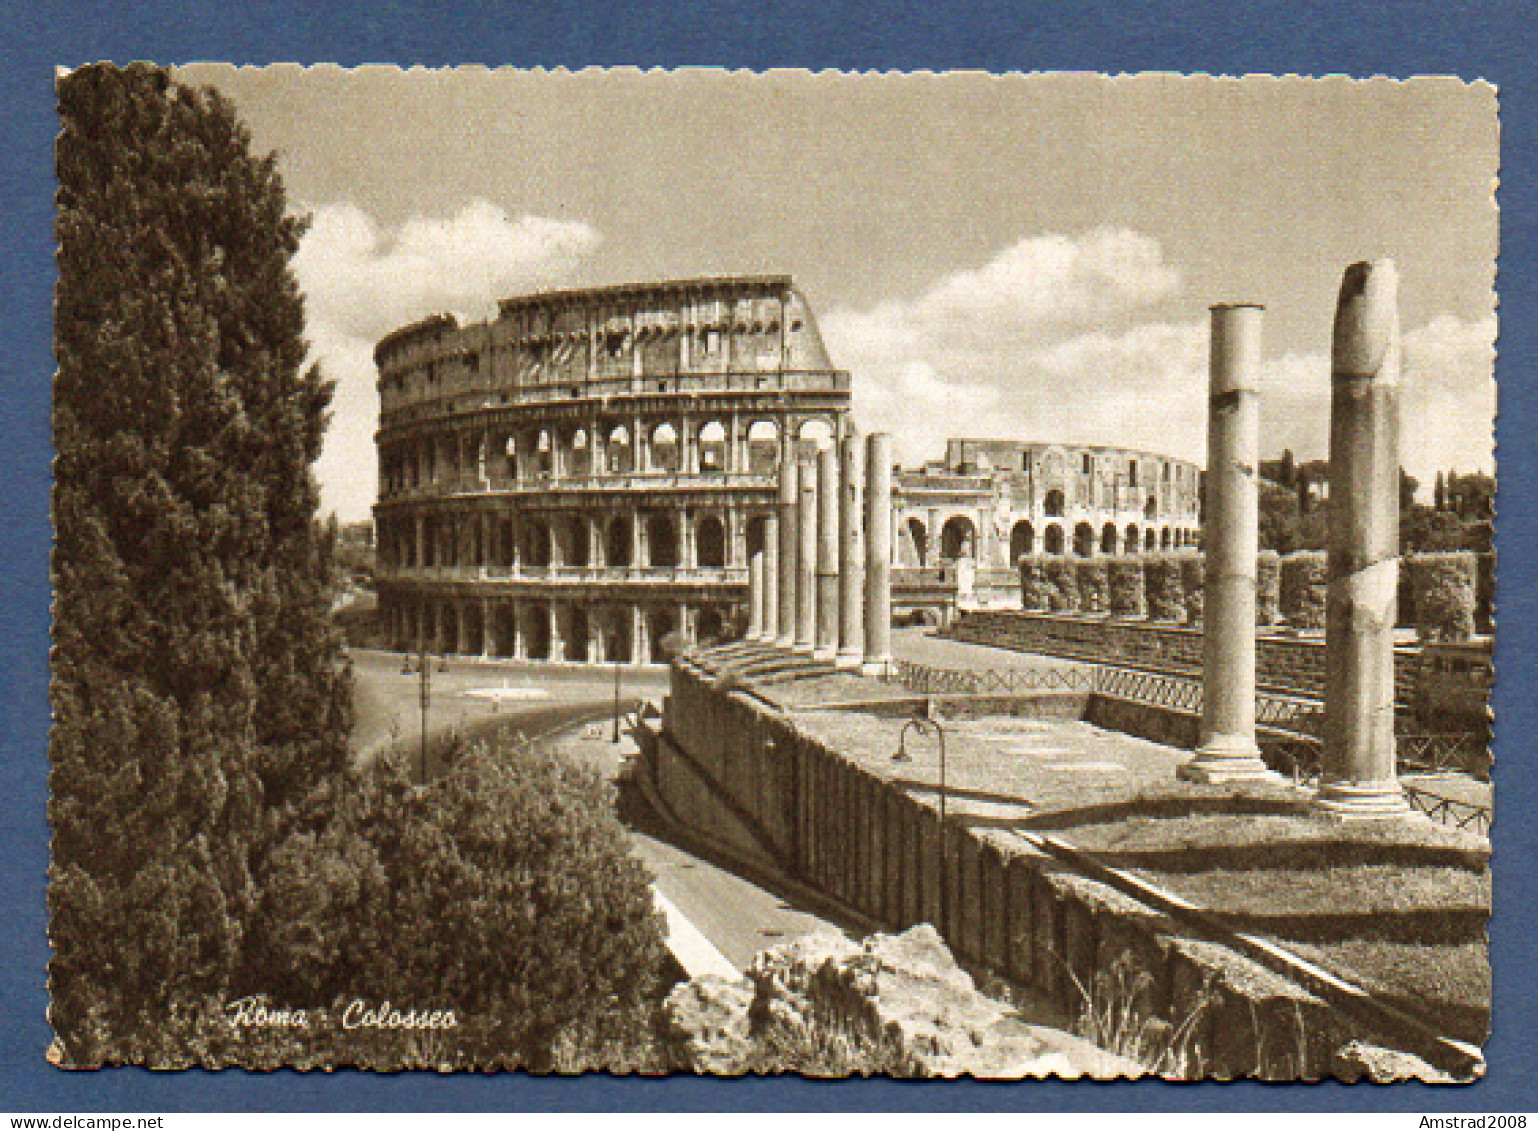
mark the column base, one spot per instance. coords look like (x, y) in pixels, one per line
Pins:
(827, 653)
(784, 642)
(1228, 758)
(802, 649)
(847, 661)
(877, 666)
(1362, 800)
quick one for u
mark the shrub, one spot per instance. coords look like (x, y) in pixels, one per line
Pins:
(1444, 587)
(1303, 589)
(1035, 590)
(1484, 594)
(1065, 586)
(505, 891)
(1268, 580)
(1094, 597)
(1166, 594)
(1124, 586)
(1193, 582)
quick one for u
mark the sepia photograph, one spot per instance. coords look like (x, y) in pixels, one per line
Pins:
(770, 573)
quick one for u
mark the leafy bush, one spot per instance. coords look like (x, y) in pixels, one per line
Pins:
(1036, 591)
(1093, 594)
(1303, 589)
(1065, 586)
(504, 891)
(1193, 582)
(1166, 593)
(1124, 585)
(1268, 580)
(1444, 586)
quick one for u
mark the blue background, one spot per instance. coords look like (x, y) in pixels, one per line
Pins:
(1491, 41)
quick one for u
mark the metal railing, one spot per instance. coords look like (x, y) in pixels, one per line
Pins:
(1458, 752)
(1449, 810)
(925, 680)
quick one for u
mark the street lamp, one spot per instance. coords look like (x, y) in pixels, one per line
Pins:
(928, 723)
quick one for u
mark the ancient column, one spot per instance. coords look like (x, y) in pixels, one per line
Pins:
(806, 556)
(1359, 778)
(771, 626)
(878, 554)
(827, 554)
(1226, 750)
(851, 551)
(488, 629)
(756, 597)
(789, 556)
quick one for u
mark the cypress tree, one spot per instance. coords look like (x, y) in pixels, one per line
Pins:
(198, 686)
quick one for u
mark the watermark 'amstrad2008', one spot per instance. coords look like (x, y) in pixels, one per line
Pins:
(256, 1012)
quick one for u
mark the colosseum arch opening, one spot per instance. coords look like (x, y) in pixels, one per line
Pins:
(662, 542)
(659, 625)
(710, 543)
(1108, 538)
(544, 454)
(813, 436)
(1151, 508)
(577, 453)
(763, 447)
(1052, 505)
(1151, 540)
(713, 448)
(536, 631)
(756, 536)
(1164, 539)
(1053, 541)
(1022, 541)
(536, 552)
(619, 542)
(575, 632)
(620, 451)
(617, 640)
(665, 448)
(1130, 542)
(958, 539)
(918, 539)
(574, 546)
(1083, 540)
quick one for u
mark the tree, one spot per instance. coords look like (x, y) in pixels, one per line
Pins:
(197, 684)
(505, 891)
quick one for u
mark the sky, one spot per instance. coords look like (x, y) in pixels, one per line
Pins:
(1026, 257)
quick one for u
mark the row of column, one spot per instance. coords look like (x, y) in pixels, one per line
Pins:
(1359, 777)
(822, 585)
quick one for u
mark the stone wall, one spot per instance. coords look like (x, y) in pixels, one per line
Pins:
(1000, 903)
(1282, 663)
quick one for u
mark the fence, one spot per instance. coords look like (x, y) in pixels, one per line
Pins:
(1181, 693)
(1449, 810)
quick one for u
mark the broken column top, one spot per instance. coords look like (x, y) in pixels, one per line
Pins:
(1366, 339)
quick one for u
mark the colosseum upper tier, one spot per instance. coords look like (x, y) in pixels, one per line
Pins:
(591, 470)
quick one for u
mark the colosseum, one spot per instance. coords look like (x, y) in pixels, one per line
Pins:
(593, 470)
(991, 501)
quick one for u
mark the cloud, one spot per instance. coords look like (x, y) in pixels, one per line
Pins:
(1052, 338)
(1058, 338)
(361, 281)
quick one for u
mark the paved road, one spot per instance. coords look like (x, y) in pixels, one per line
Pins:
(738, 916)
(538, 696)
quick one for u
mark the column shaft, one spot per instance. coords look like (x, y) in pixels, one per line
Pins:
(1360, 777)
(851, 550)
(1226, 750)
(878, 554)
(826, 643)
(789, 555)
(771, 626)
(756, 597)
(806, 556)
